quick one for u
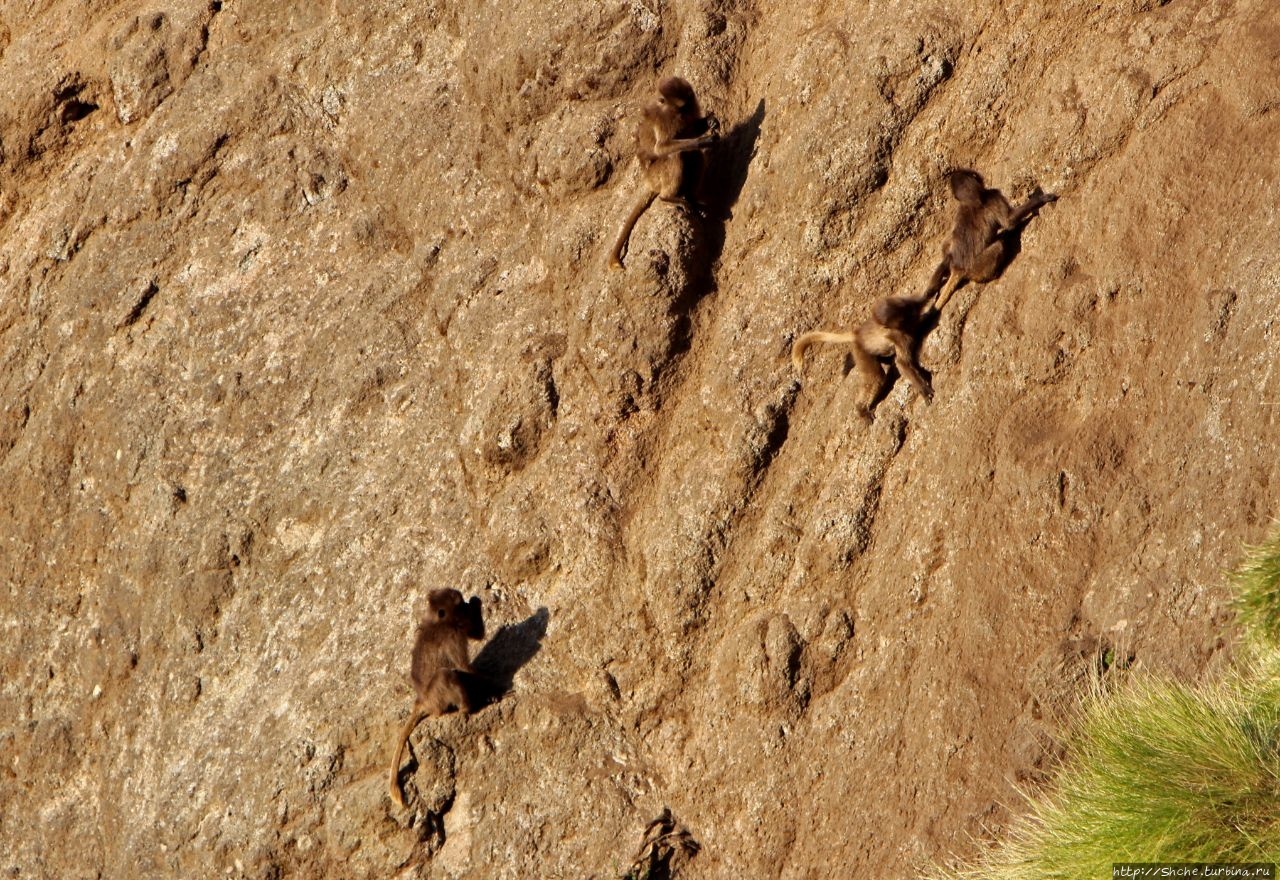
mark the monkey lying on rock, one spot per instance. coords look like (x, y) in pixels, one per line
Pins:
(981, 243)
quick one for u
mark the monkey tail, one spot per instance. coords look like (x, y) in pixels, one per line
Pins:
(808, 339)
(615, 258)
(397, 793)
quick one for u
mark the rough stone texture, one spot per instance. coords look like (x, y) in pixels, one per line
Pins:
(304, 311)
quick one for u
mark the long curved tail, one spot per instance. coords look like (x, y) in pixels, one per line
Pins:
(808, 339)
(397, 794)
(615, 257)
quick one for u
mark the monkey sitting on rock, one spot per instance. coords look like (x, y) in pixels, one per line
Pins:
(670, 140)
(443, 680)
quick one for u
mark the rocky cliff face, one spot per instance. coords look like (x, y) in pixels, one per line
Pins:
(305, 311)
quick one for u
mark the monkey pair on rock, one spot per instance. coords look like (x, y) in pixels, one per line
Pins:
(671, 138)
(980, 246)
(443, 680)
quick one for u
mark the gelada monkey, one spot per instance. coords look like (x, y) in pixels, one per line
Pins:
(441, 666)
(670, 138)
(980, 244)
(893, 331)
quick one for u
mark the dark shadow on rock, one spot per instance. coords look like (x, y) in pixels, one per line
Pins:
(728, 164)
(510, 649)
(730, 161)
(1012, 239)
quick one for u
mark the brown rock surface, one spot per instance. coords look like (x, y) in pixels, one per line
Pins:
(303, 311)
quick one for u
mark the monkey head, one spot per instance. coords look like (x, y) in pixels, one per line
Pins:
(679, 94)
(446, 606)
(967, 186)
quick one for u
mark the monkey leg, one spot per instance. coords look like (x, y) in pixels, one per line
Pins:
(870, 374)
(940, 275)
(448, 692)
(683, 204)
(905, 358)
(689, 205)
(989, 263)
(675, 180)
(986, 267)
(956, 279)
(615, 258)
(693, 177)
(397, 794)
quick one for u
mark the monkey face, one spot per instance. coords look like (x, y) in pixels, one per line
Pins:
(447, 606)
(967, 186)
(443, 602)
(676, 92)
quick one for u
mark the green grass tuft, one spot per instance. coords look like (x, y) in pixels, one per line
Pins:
(1257, 582)
(1158, 772)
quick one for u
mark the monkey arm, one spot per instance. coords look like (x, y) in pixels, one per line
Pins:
(669, 146)
(940, 276)
(905, 358)
(662, 149)
(945, 295)
(1023, 212)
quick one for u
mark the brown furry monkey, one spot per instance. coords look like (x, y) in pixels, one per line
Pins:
(441, 665)
(979, 246)
(893, 331)
(670, 138)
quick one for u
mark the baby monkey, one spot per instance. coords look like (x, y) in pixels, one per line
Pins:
(980, 245)
(441, 666)
(893, 331)
(670, 138)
